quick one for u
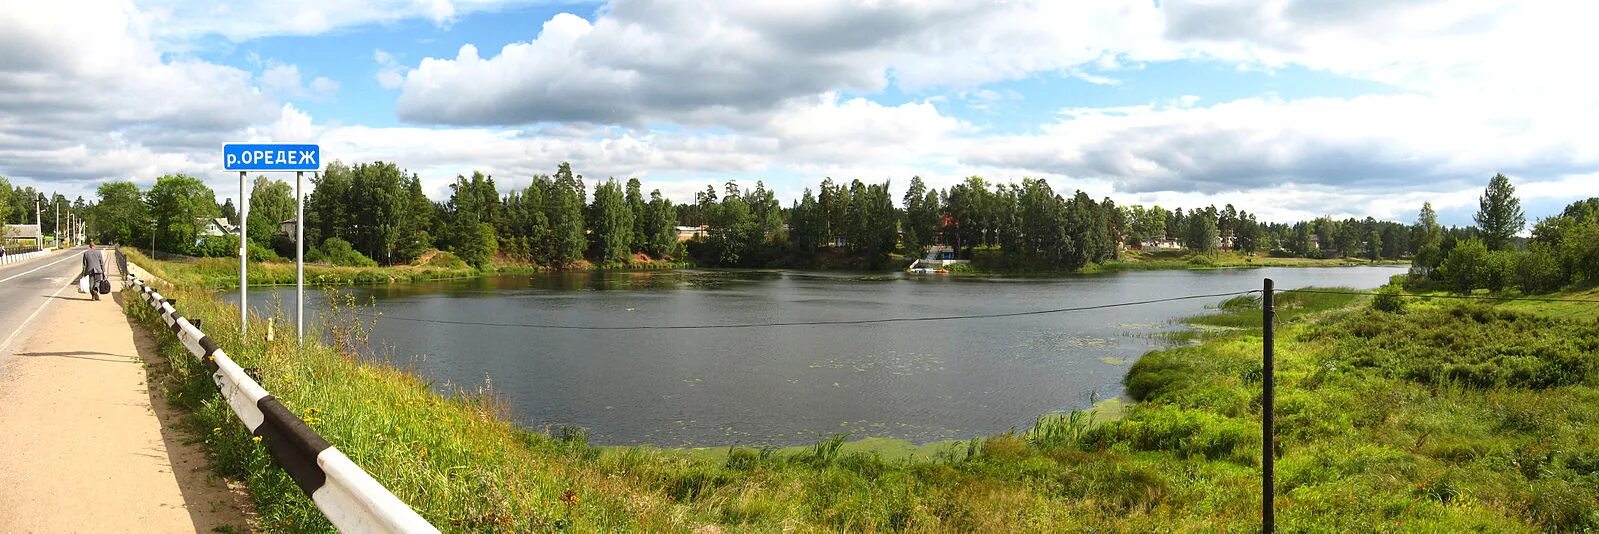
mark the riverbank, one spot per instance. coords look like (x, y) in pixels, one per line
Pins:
(1185, 457)
(989, 262)
(224, 272)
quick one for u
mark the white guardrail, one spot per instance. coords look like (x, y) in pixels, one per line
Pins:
(350, 498)
(13, 258)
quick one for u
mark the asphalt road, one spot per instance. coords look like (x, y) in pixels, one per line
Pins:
(28, 288)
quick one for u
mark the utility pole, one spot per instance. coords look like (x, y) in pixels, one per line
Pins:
(57, 228)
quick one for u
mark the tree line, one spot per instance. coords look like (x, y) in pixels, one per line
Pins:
(1563, 250)
(378, 211)
(17, 206)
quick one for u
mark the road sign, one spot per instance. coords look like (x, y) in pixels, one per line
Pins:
(271, 157)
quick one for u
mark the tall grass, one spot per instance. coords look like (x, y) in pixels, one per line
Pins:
(1364, 445)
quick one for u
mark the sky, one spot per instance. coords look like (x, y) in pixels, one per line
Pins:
(1288, 109)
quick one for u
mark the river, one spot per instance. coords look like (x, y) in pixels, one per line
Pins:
(786, 385)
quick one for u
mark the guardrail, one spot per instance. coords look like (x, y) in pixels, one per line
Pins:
(350, 498)
(13, 258)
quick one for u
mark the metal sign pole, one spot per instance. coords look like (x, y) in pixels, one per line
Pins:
(244, 255)
(299, 256)
(1268, 404)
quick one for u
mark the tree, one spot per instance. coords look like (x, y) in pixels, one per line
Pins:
(1499, 213)
(1463, 268)
(1429, 240)
(612, 223)
(564, 211)
(179, 204)
(5, 201)
(1202, 231)
(636, 206)
(121, 216)
(468, 232)
(807, 226)
(1374, 243)
(1539, 270)
(271, 202)
(921, 215)
(327, 208)
(660, 227)
(416, 226)
(380, 203)
(231, 212)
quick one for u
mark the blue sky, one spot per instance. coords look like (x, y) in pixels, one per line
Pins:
(1290, 109)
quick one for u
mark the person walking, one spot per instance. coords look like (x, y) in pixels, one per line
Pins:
(94, 268)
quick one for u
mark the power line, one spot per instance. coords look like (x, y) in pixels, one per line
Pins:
(1413, 295)
(817, 323)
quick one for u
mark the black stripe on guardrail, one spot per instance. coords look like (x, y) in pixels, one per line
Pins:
(293, 444)
(210, 347)
(210, 352)
(176, 327)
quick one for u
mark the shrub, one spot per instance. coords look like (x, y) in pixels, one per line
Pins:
(217, 247)
(227, 246)
(1538, 270)
(338, 252)
(446, 260)
(1462, 268)
(1498, 269)
(1388, 300)
(1201, 261)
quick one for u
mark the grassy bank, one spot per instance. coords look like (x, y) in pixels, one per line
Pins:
(988, 261)
(1444, 418)
(224, 272)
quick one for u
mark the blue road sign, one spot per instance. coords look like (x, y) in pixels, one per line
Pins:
(271, 157)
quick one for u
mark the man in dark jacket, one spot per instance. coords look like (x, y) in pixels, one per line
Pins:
(94, 268)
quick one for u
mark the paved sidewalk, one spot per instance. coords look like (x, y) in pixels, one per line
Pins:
(87, 445)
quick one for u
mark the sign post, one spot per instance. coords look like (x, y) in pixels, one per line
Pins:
(272, 157)
(299, 256)
(244, 255)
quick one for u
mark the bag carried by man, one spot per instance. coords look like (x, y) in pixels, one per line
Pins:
(105, 287)
(83, 284)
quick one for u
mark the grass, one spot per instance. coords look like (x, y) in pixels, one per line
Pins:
(1380, 430)
(988, 260)
(224, 272)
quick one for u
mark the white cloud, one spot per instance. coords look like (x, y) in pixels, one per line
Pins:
(284, 81)
(88, 95)
(692, 92)
(1397, 142)
(390, 74)
(646, 61)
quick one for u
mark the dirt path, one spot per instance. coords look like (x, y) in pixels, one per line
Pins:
(88, 447)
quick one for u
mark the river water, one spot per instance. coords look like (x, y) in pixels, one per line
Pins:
(919, 381)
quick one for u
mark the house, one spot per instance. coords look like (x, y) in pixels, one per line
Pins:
(940, 253)
(22, 236)
(214, 227)
(688, 233)
(1163, 244)
(286, 227)
(839, 241)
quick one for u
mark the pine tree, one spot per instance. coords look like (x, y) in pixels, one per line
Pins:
(564, 211)
(1499, 213)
